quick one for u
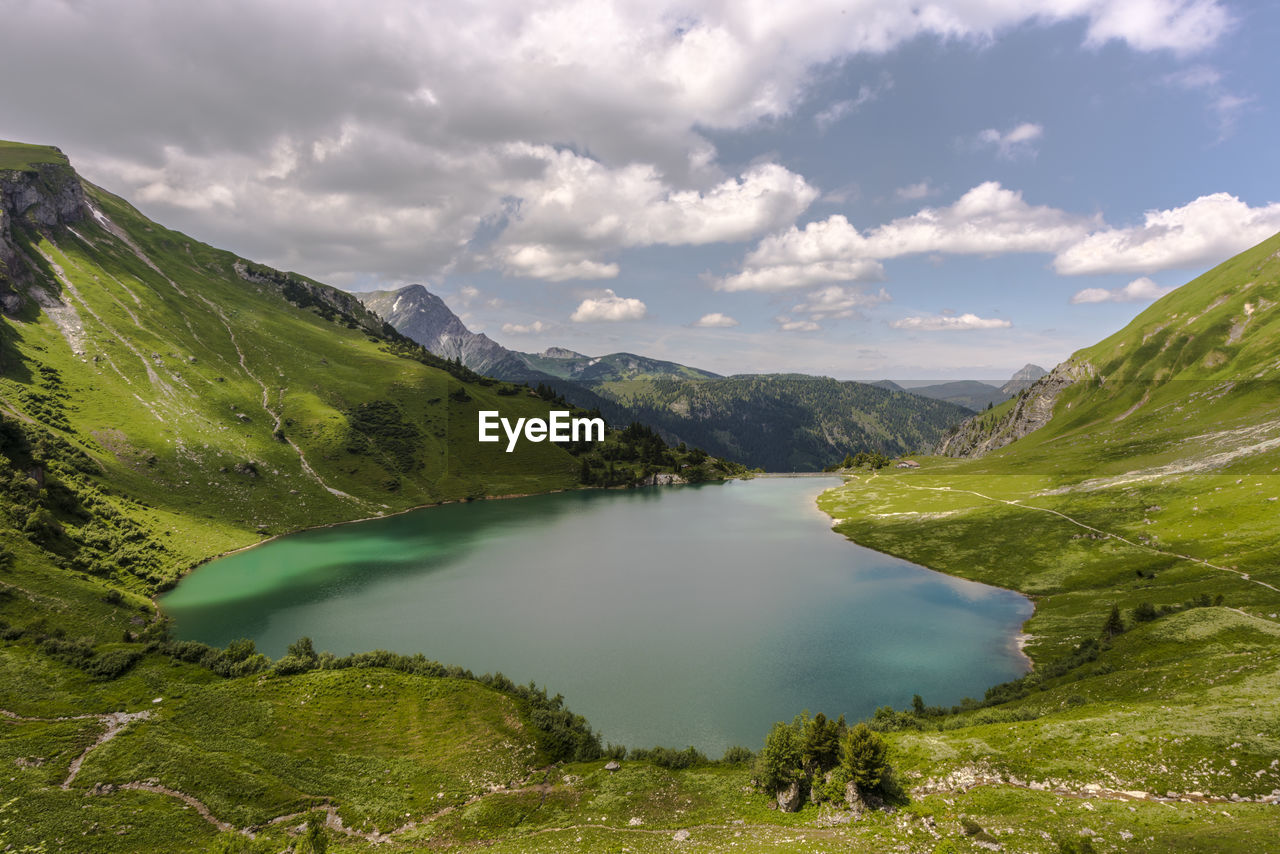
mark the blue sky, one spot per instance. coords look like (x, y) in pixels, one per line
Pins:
(850, 189)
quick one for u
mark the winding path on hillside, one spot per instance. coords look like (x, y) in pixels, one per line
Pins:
(277, 418)
(1017, 502)
(115, 722)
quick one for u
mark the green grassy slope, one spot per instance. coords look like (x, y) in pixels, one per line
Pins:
(1155, 481)
(21, 156)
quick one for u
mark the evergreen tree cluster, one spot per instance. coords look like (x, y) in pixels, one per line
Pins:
(863, 459)
(823, 756)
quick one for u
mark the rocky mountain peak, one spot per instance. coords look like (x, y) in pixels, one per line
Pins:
(424, 317)
(561, 353)
(1023, 378)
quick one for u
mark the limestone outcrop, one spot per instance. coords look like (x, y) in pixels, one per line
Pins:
(40, 197)
(1031, 410)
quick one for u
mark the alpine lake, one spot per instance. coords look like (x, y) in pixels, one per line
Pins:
(689, 615)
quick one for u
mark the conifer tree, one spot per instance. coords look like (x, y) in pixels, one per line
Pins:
(862, 756)
(1114, 624)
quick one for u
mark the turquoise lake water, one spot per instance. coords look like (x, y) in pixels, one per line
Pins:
(692, 615)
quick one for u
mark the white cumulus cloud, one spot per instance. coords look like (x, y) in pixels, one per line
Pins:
(524, 328)
(1139, 290)
(552, 264)
(1182, 26)
(608, 308)
(936, 323)
(987, 220)
(786, 324)
(574, 208)
(1015, 142)
(1205, 231)
(715, 320)
(382, 137)
(836, 302)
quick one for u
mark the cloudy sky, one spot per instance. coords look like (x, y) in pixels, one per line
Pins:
(860, 189)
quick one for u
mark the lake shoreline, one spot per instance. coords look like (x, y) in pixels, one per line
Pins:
(421, 583)
(1018, 642)
(447, 502)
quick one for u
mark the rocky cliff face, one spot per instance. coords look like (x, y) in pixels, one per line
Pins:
(42, 196)
(423, 316)
(1031, 410)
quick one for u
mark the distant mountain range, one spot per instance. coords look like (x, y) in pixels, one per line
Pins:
(973, 394)
(783, 422)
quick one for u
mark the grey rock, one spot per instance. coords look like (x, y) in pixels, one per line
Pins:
(790, 798)
(421, 315)
(853, 800)
(43, 197)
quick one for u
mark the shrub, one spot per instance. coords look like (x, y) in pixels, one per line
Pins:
(863, 757)
(112, 663)
(1145, 613)
(666, 757)
(821, 748)
(778, 765)
(1114, 624)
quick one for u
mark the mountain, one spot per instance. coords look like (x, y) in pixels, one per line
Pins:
(1201, 358)
(422, 316)
(425, 318)
(1022, 379)
(163, 402)
(970, 394)
(560, 353)
(151, 385)
(784, 422)
(973, 394)
(780, 422)
(566, 365)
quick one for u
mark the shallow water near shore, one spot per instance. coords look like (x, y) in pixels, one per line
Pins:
(693, 615)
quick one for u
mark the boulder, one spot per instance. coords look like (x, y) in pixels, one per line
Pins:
(613, 765)
(789, 799)
(853, 800)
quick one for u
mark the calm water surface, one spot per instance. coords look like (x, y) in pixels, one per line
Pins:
(669, 615)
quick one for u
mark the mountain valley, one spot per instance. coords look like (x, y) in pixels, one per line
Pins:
(163, 402)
